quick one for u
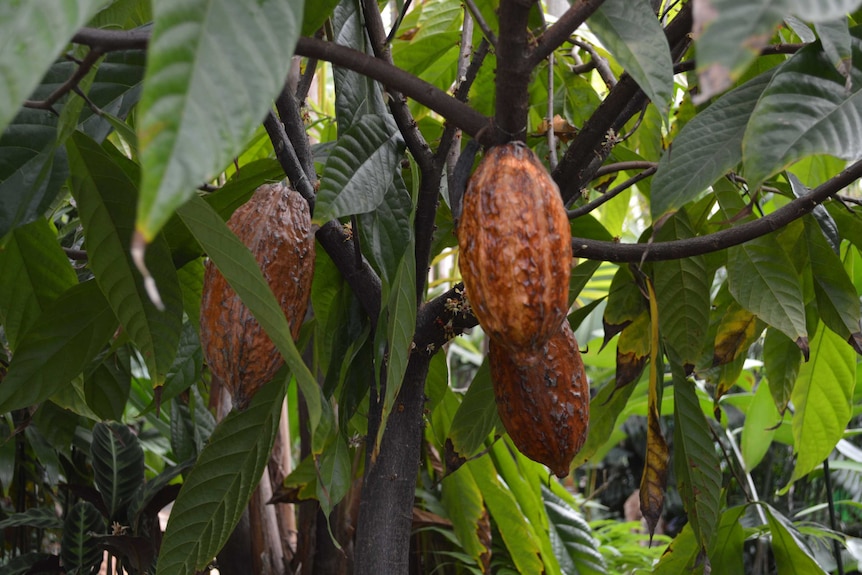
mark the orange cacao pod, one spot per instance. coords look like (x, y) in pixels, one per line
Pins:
(515, 248)
(543, 399)
(275, 225)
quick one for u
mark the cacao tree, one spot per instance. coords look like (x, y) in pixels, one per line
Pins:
(706, 152)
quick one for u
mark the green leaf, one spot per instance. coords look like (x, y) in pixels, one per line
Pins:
(107, 385)
(625, 303)
(355, 95)
(400, 325)
(32, 167)
(359, 169)
(605, 409)
(822, 398)
(476, 416)
(118, 466)
(805, 110)
(632, 33)
(116, 89)
(34, 271)
(240, 269)
(726, 554)
(220, 485)
(334, 476)
(316, 13)
(781, 360)
(191, 278)
(791, 555)
(729, 34)
(80, 551)
(571, 538)
(34, 33)
(106, 199)
(186, 369)
(62, 341)
(581, 275)
(837, 301)
(696, 464)
(835, 37)
(680, 555)
(759, 428)
(213, 69)
(463, 503)
(39, 517)
(682, 290)
(515, 531)
(763, 280)
(707, 147)
(385, 232)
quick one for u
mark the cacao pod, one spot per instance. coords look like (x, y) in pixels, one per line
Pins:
(543, 399)
(515, 248)
(275, 224)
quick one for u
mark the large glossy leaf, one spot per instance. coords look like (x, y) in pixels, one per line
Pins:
(107, 385)
(34, 271)
(680, 555)
(186, 368)
(79, 550)
(106, 199)
(400, 312)
(464, 506)
(385, 232)
(217, 490)
(791, 555)
(516, 533)
(116, 89)
(359, 169)
(837, 301)
(33, 34)
(835, 37)
(213, 68)
(355, 95)
(682, 288)
(781, 360)
(726, 555)
(240, 269)
(574, 546)
(707, 147)
(759, 427)
(631, 32)
(118, 466)
(806, 109)
(431, 42)
(476, 416)
(335, 477)
(763, 280)
(697, 467)
(62, 341)
(730, 33)
(32, 168)
(822, 398)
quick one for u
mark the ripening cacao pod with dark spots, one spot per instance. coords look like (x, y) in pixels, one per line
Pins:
(515, 248)
(543, 399)
(275, 224)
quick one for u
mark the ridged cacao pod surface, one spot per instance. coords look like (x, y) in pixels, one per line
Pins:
(515, 248)
(275, 224)
(543, 399)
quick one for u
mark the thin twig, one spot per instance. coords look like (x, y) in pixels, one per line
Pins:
(464, 58)
(483, 26)
(83, 69)
(600, 63)
(623, 166)
(562, 29)
(675, 249)
(610, 194)
(305, 79)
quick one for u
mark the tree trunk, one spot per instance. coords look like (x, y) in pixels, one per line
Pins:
(385, 510)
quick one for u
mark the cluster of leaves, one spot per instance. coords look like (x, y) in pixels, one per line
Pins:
(104, 161)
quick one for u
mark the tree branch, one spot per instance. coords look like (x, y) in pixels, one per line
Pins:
(459, 113)
(513, 71)
(83, 69)
(588, 151)
(557, 34)
(610, 194)
(616, 252)
(113, 40)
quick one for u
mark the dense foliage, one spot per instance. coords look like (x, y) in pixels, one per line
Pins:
(707, 151)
